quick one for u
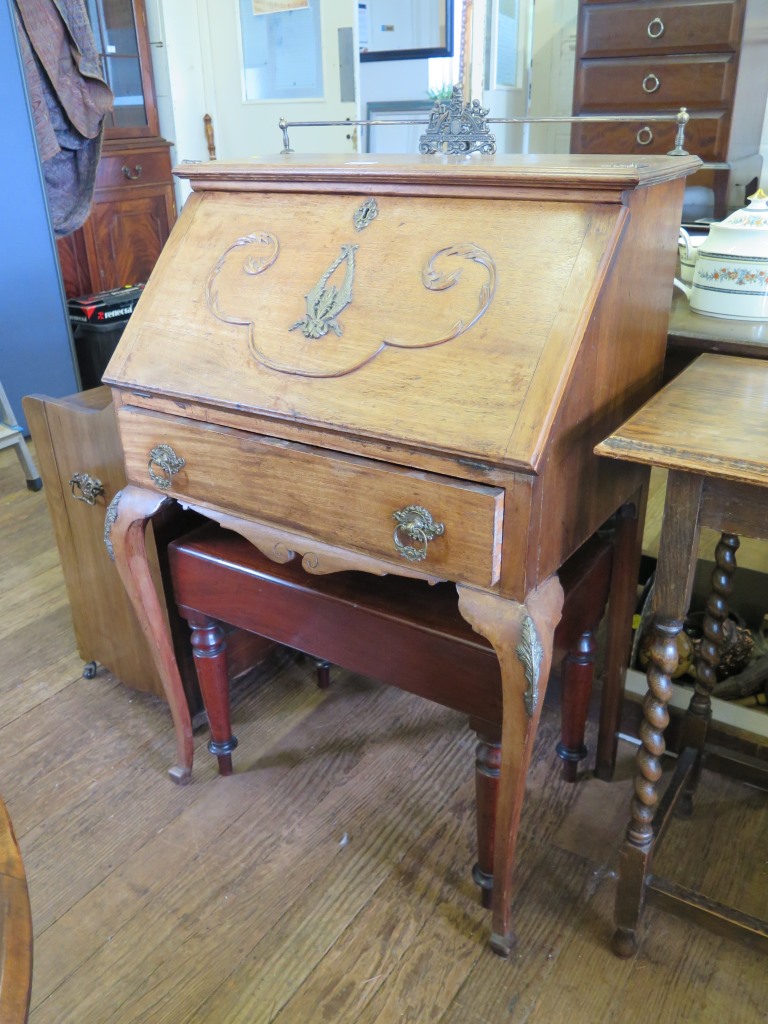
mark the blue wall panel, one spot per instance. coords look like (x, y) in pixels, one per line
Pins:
(35, 340)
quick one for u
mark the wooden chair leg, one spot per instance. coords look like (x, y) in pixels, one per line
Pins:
(577, 673)
(210, 652)
(487, 771)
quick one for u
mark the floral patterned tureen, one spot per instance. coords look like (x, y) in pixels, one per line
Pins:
(731, 275)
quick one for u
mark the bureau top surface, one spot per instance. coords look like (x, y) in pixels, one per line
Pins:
(357, 296)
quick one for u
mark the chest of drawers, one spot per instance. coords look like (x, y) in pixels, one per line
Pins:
(403, 366)
(653, 57)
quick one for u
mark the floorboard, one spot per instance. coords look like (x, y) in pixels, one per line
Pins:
(328, 879)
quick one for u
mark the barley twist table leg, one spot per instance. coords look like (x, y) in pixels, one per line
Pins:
(700, 708)
(638, 845)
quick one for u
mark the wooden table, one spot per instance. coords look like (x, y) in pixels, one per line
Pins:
(690, 334)
(15, 928)
(402, 365)
(709, 428)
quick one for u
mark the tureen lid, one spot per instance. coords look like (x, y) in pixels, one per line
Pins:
(754, 215)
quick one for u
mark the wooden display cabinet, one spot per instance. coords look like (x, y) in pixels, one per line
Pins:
(133, 203)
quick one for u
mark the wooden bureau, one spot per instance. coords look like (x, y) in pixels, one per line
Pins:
(400, 365)
(654, 56)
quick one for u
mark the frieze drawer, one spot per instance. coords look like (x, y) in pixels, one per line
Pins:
(437, 524)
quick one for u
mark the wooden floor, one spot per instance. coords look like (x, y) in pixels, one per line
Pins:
(328, 879)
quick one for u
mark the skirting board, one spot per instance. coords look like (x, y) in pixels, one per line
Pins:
(727, 713)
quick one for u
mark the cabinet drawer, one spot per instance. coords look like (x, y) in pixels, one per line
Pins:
(132, 168)
(333, 497)
(640, 28)
(663, 83)
(706, 137)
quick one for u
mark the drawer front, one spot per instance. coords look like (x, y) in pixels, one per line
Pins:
(134, 168)
(336, 498)
(706, 137)
(662, 83)
(621, 30)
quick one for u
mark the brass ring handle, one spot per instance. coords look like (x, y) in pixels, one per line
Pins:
(651, 82)
(415, 524)
(131, 175)
(90, 488)
(167, 461)
(655, 28)
(644, 136)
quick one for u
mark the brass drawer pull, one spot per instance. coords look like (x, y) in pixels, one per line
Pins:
(655, 28)
(167, 461)
(644, 136)
(131, 175)
(415, 524)
(90, 488)
(651, 83)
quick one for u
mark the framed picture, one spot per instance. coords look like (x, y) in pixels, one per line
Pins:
(396, 138)
(405, 29)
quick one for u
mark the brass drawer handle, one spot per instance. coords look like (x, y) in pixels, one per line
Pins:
(644, 136)
(655, 28)
(651, 83)
(90, 488)
(131, 175)
(167, 461)
(415, 524)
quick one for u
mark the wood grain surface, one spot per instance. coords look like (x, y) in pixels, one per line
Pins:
(240, 900)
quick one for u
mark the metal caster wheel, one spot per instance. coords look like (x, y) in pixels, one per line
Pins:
(90, 670)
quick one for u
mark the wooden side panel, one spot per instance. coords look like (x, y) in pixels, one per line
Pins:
(74, 435)
(620, 366)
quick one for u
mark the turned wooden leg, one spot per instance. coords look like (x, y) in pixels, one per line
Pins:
(577, 672)
(678, 546)
(125, 536)
(323, 673)
(521, 635)
(210, 651)
(487, 772)
(699, 713)
(621, 607)
(636, 852)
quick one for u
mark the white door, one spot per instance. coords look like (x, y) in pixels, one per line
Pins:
(504, 26)
(267, 59)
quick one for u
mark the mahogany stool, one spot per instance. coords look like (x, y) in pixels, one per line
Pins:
(404, 632)
(709, 427)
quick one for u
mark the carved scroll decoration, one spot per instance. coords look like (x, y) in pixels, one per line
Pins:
(252, 264)
(530, 653)
(325, 303)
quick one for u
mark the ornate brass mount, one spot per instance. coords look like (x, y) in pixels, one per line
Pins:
(530, 652)
(90, 488)
(325, 302)
(458, 128)
(416, 524)
(167, 461)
